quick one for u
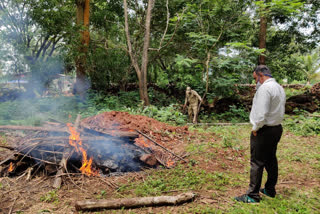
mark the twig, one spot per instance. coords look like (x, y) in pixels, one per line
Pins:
(111, 184)
(7, 147)
(29, 173)
(161, 146)
(10, 211)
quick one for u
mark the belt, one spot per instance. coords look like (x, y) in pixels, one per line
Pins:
(270, 126)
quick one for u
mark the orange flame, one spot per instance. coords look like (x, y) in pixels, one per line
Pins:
(86, 165)
(10, 167)
(170, 163)
(141, 142)
(76, 142)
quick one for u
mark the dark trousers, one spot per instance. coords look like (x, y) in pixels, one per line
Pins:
(263, 148)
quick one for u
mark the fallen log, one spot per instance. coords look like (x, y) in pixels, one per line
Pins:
(134, 202)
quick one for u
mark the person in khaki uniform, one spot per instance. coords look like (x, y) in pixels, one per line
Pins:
(192, 98)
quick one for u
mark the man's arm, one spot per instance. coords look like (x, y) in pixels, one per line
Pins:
(198, 96)
(186, 100)
(262, 107)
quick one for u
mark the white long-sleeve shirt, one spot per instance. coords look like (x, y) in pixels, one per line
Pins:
(268, 105)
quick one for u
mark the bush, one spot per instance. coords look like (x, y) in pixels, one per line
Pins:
(303, 125)
(234, 115)
(170, 114)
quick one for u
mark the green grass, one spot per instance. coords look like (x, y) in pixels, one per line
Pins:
(298, 164)
(295, 201)
(180, 178)
(50, 197)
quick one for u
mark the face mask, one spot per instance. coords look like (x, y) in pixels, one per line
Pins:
(258, 84)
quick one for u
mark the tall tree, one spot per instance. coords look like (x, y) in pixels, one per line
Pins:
(142, 69)
(269, 8)
(263, 33)
(83, 17)
(24, 34)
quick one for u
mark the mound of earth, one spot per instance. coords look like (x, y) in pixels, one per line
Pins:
(169, 136)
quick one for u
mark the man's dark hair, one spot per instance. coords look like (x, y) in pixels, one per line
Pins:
(263, 69)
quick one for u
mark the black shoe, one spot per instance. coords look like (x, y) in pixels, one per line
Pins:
(246, 199)
(264, 191)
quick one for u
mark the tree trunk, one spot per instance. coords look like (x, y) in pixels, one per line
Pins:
(262, 39)
(144, 66)
(83, 15)
(143, 70)
(263, 34)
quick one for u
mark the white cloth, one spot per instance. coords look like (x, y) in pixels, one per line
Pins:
(268, 105)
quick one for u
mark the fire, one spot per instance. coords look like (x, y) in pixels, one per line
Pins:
(76, 142)
(10, 167)
(86, 165)
(141, 142)
(170, 163)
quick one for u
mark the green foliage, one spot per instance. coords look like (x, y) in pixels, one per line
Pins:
(293, 92)
(310, 65)
(223, 87)
(50, 197)
(303, 125)
(170, 114)
(234, 115)
(285, 7)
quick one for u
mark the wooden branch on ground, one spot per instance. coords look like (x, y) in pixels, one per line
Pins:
(7, 147)
(218, 124)
(134, 202)
(310, 115)
(146, 136)
(33, 128)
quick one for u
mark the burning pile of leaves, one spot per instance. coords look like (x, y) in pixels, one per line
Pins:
(107, 144)
(164, 137)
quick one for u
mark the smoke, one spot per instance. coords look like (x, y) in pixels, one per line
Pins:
(32, 64)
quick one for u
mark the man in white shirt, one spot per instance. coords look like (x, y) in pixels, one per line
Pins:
(266, 115)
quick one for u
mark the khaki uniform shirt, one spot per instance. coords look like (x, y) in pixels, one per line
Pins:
(192, 98)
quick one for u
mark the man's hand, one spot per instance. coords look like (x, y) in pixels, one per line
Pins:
(254, 133)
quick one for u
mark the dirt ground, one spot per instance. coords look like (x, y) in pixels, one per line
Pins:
(37, 195)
